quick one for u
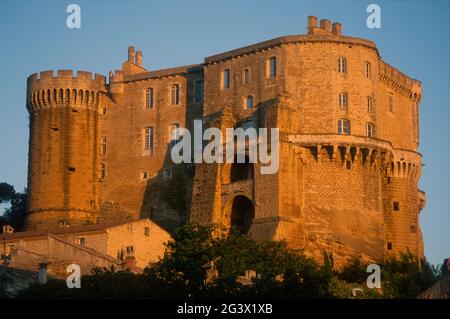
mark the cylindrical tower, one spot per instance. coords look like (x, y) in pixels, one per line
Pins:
(64, 148)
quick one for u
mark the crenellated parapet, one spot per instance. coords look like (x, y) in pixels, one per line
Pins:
(405, 164)
(45, 89)
(400, 82)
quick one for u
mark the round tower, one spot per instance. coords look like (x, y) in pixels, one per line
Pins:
(64, 148)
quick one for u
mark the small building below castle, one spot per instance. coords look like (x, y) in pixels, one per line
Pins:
(133, 245)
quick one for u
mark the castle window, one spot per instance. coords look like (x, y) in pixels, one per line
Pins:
(130, 250)
(369, 104)
(103, 145)
(198, 91)
(148, 139)
(102, 170)
(370, 130)
(367, 69)
(413, 229)
(390, 102)
(389, 245)
(396, 206)
(149, 98)
(249, 102)
(147, 231)
(175, 94)
(104, 110)
(226, 78)
(144, 175)
(246, 77)
(272, 67)
(71, 169)
(343, 126)
(173, 135)
(342, 65)
(349, 165)
(81, 241)
(167, 173)
(343, 100)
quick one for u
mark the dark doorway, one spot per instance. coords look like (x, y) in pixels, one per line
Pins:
(242, 213)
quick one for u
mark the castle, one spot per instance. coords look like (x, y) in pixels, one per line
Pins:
(348, 127)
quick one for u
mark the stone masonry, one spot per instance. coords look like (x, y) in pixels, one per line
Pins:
(349, 132)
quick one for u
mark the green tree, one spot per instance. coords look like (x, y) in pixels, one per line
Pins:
(14, 215)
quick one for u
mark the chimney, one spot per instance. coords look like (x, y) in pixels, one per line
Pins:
(337, 28)
(42, 275)
(131, 54)
(7, 229)
(139, 58)
(325, 25)
(312, 23)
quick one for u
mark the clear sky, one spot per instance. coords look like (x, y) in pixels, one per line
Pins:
(414, 37)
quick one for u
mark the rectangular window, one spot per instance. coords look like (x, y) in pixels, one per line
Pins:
(198, 91)
(249, 102)
(246, 77)
(175, 94)
(369, 104)
(367, 69)
(102, 170)
(173, 134)
(343, 126)
(396, 206)
(103, 145)
(342, 65)
(148, 139)
(149, 98)
(82, 241)
(167, 173)
(390, 102)
(226, 78)
(389, 245)
(343, 100)
(370, 130)
(144, 175)
(273, 67)
(147, 231)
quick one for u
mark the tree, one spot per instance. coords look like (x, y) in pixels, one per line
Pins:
(15, 215)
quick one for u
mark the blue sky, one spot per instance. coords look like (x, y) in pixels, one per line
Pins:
(414, 37)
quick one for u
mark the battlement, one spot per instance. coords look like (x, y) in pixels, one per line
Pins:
(400, 81)
(45, 89)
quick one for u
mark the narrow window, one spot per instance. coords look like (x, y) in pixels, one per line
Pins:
(175, 96)
(144, 175)
(273, 67)
(246, 78)
(389, 245)
(249, 102)
(367, 69)
(369, 104)
(343, 126)
(167, 173)
(198, 91)
(349, 165)
(104, 110)
(149, 98)
(147, 231)
(396, 206)
(173, 133)
(390, 102)
(370, 130)
(148, 139)
(102, 170)
(103, 145)
(343, 100)
(226, 78)
(82, 241)
(342, 65)
(71, 169)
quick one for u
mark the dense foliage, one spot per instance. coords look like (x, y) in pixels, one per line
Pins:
(281, 273)
(15, 214)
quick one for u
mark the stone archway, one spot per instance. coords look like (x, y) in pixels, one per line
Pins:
(242, 213)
